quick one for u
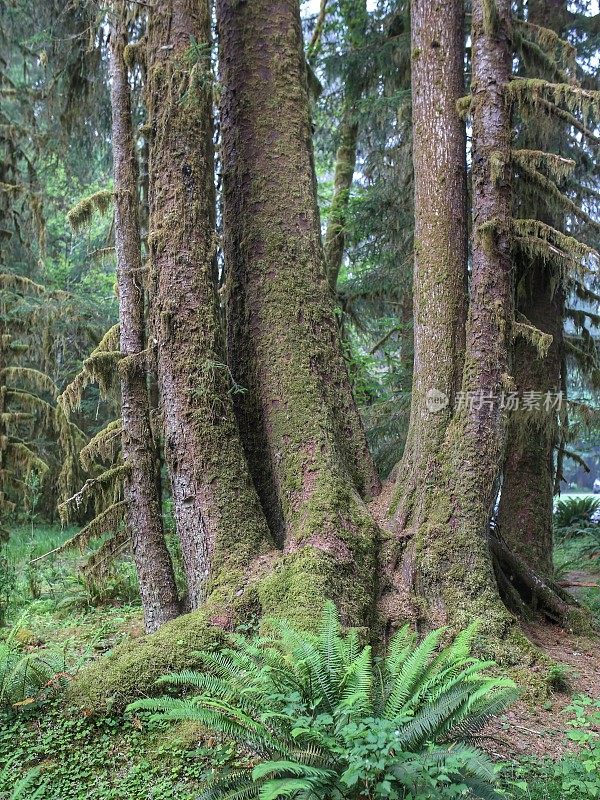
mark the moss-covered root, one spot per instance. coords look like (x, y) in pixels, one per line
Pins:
(293, 586)
(131, 669)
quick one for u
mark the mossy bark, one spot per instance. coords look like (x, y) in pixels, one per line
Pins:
(444, 573)
(144, 513)
(527, 497)
(440, 241)
(355, 19)
(299, 423)
(218, 517)
(439, 276)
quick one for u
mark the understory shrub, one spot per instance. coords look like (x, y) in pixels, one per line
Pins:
(317, 716)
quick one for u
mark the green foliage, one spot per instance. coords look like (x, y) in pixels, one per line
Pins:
(82, 758)
(319, 717)
(573, 510)
(23, 675)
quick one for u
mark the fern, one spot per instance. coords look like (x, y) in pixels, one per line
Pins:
(24, 675)
(307, 710)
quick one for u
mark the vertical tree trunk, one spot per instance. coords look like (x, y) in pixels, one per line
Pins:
(440, 242)
(144, 516)
(527, 499)
(447, 561)
(355, 19)
(219, 521)
(299, 423)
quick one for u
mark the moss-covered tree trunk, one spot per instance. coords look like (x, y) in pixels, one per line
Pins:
(446, 560)
(440, 259)
(219, 520)
(144, 512)
(299, 423)
(527, 499)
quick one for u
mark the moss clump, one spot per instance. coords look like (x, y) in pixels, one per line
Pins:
(81, 213)
(131, 669)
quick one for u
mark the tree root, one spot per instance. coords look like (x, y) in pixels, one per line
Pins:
(524, 591)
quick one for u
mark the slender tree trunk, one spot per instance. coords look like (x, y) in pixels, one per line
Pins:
(299, 423)
(440, 246)
(527, 499)
(144, 518)
(355, 18)
(345, 162)
(219, 521)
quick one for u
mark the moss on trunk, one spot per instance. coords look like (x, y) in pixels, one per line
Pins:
(300, 426)
(218, 517)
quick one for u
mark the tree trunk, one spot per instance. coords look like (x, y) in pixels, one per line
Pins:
(446, 561)
(299, 423)
(144, 515)
(527, 499)
(355, 18)
(440, 244)
(219, 521)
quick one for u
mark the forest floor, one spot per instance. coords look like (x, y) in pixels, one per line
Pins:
(539, 729)
(116, 757)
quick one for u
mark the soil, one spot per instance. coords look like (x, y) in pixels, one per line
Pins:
(539, 729)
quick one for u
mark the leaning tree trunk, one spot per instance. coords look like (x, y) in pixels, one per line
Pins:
(144, 514)
(219, 520)
(299, 423)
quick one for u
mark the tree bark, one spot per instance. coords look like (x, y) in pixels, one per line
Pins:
(527, 498)
(355, 19)
(219, 520)
(144, 514)
(447, 561)
(440, 244)
(299, 423)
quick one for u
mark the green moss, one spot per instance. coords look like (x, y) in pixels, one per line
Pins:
(131, 669)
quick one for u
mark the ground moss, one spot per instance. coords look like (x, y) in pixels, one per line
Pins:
(131, 669)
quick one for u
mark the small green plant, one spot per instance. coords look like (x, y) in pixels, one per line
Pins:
(574, 510)
(316, 716)
(559, 678)
(23, 675)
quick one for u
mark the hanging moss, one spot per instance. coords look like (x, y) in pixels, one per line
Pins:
(103, 490)
(81, 214)
(36, 380)
(104, 446)
(538, 339)
(109, 521)
(98, 368)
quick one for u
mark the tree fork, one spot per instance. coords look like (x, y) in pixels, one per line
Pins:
(144, 513)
